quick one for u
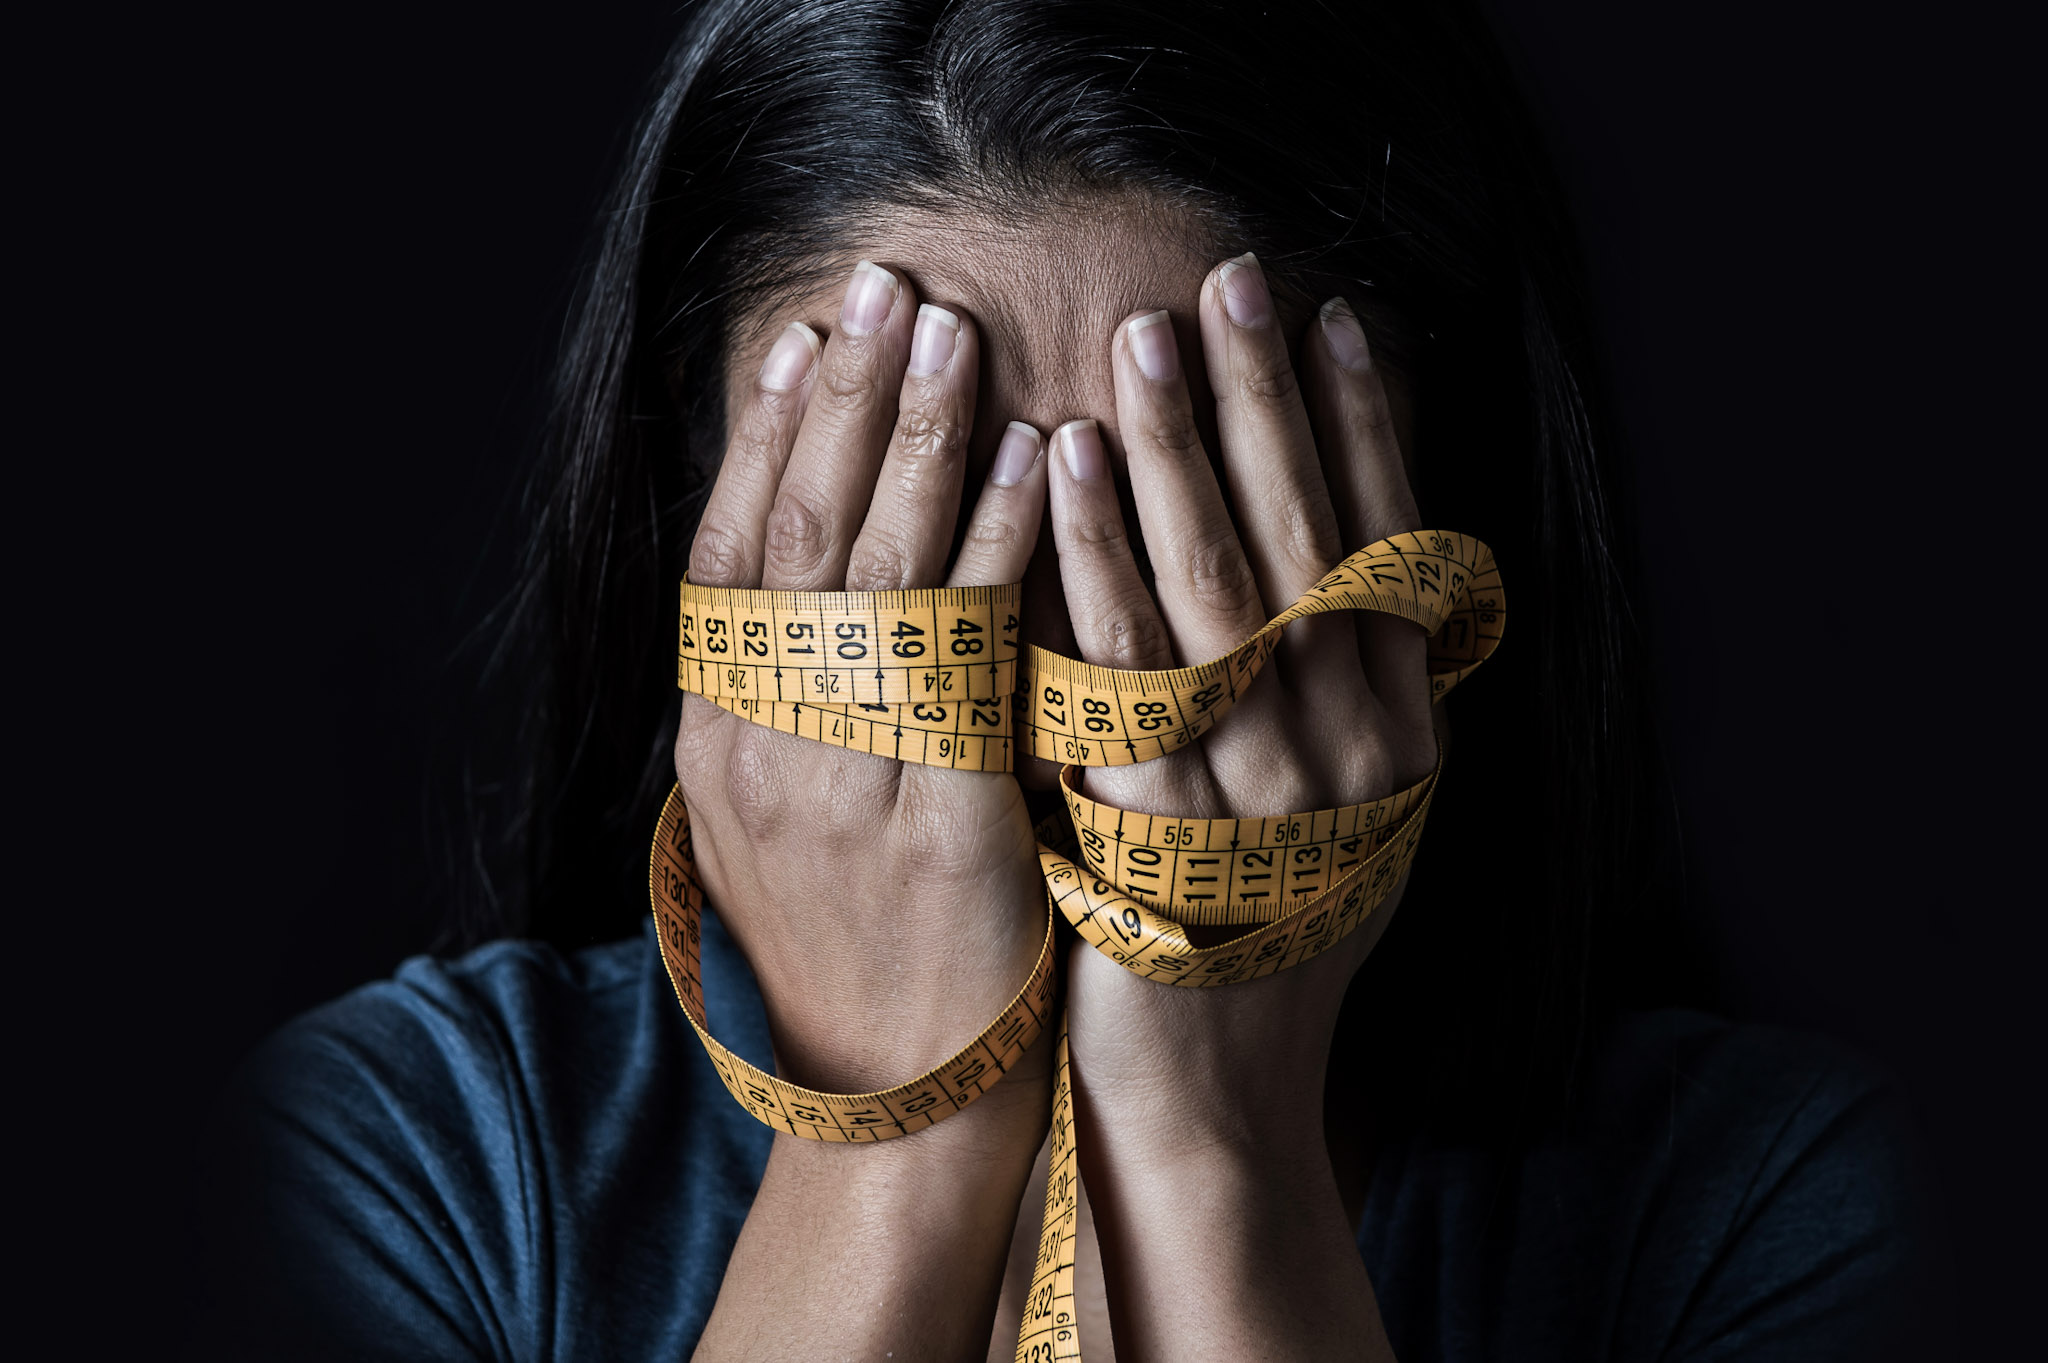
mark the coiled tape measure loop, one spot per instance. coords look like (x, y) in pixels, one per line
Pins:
(937, 677)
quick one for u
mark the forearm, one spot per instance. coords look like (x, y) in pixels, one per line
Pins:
(889, 1250)
(1229, 1251)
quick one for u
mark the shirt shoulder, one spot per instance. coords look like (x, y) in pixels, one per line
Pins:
(1784, 1217)
(470, 1041)
(424, 1164)
(450, 1035)
(1720, 1191)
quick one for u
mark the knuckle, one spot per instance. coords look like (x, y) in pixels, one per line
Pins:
(1413, 754)
(697, 743)
(1131, 636)
(1407, 515)
(720, 556)
(1362, 771)
(1174, 437)
(1381, 763)
(760, 436)
(776, 407)
(1309, 536)
(756, 784)
(1374, 423)
(1393, 514)
(843, 389)
(939, 836)
(924, 440)
(798, 534)
(1098, 537)
(1267, 380)
(877, 564)
(851, 793)
(1219, 576)
(993, 536)
(1286, 787)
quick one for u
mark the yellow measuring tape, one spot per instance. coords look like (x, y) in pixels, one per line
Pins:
(935, 677)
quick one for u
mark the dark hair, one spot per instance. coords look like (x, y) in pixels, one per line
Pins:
(1375, 149)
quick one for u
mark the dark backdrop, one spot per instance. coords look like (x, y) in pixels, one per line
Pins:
(349, 252)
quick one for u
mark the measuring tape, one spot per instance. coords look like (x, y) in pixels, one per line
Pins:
(936, 677)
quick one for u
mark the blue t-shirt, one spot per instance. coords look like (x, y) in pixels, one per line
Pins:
(521, 1155)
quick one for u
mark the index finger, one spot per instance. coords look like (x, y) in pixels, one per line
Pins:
(731, 534)
(731, 541)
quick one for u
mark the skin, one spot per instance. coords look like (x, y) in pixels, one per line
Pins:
(1222, 1210)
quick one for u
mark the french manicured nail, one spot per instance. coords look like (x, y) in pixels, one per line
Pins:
(931, 345)
(1245, 296)
(869, 296)
(1345, 337)
(1081, 442)
(790, 358)
(1016, 456)
(1152, 346)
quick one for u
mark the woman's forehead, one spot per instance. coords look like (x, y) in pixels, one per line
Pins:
(1046, 292)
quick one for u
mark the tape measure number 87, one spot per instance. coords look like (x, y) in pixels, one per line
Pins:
(936, 677)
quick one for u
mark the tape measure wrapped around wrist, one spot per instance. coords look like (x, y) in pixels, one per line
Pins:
(937, 677)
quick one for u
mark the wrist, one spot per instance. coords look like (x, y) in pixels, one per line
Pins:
(895, 1247)
(1274, 1116)
(882, 1007)
(992, 1139)
(1210, 1161)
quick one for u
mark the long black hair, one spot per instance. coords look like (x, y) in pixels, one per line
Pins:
(1375, 149)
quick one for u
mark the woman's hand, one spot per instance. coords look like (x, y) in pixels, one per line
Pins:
(889, 911)
(1202, 1139)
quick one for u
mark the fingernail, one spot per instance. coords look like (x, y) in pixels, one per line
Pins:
(1345, 337)
(790, 358)
(1082, 442)
(1016, 456)
(931, 344)
(1152, 346)
(869, 296)
(1245, 296)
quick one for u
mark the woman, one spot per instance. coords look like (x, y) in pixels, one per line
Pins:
(1162, 309)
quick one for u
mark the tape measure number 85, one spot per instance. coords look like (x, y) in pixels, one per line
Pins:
(936, 677)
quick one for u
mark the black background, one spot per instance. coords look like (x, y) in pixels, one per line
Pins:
(331, 254)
